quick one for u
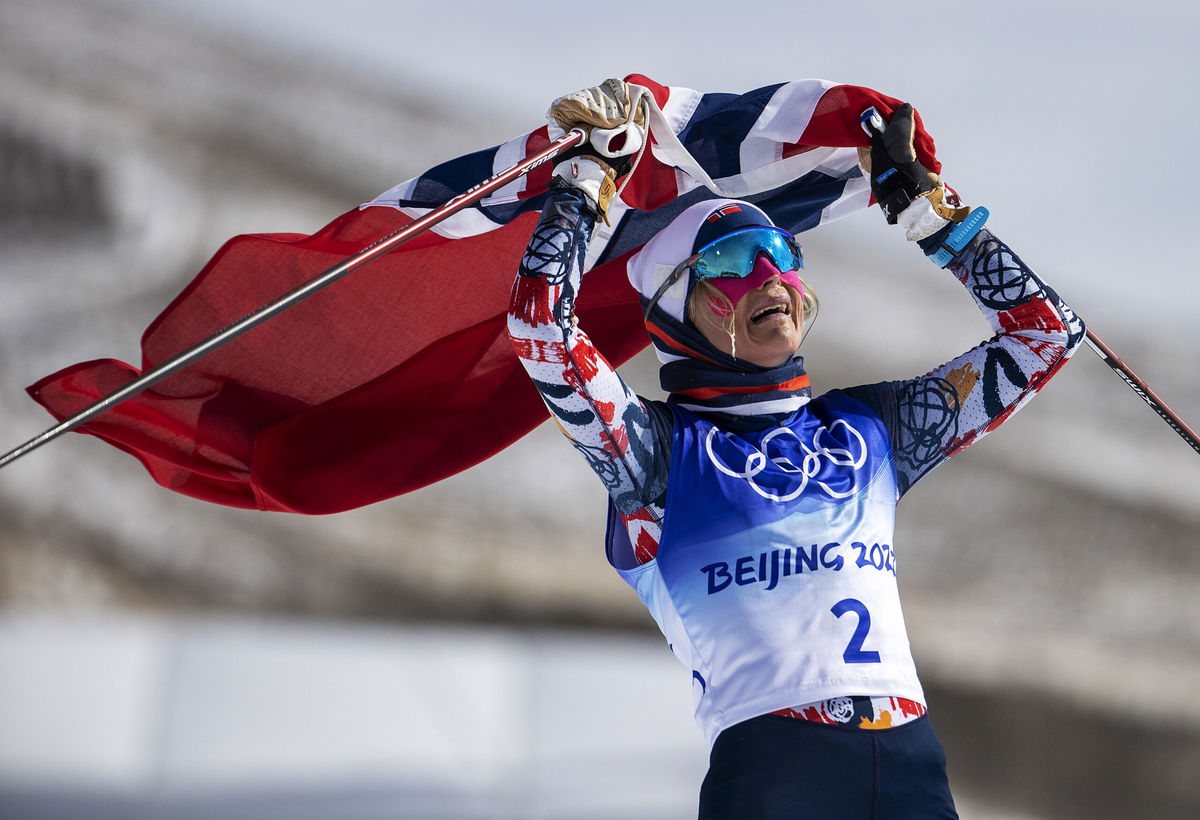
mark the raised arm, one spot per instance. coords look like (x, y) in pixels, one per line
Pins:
(621, 439)
(935, 416)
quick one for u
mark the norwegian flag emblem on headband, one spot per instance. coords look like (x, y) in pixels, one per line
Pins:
(728, 209)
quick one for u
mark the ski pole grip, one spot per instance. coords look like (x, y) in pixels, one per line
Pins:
(871, 122)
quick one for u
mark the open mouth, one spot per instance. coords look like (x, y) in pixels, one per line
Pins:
(769, 311)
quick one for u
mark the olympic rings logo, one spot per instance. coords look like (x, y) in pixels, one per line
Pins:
(810, 464)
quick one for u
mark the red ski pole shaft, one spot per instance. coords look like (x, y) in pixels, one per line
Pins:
(299, 294)
(1142, 389)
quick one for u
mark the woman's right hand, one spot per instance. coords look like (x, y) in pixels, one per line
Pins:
(610, 114)
(613, 117)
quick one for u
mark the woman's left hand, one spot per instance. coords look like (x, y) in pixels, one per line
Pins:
(908, 192)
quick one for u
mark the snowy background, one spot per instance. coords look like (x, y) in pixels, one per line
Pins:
(429, 658)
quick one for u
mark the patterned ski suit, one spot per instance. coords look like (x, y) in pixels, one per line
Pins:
(725, 587)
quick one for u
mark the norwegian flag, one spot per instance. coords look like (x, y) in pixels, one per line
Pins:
(402, 374)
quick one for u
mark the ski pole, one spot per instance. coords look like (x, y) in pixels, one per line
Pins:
(1142, 389)
(298, 294)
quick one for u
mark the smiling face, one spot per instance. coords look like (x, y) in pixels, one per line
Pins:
(766, 325)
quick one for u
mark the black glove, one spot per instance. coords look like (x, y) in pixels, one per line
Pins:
(897, 178)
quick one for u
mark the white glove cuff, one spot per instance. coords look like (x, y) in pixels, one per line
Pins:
(919, 220)
(585, 174)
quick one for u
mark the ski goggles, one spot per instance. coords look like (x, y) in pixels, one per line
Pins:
(735, 289)
(731, 263)
(733, 255)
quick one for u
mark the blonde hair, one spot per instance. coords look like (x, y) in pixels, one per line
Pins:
(706, 303)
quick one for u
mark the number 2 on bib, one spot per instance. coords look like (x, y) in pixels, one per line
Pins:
(854, 652)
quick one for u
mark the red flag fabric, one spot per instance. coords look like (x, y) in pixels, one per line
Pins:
(401, 374)
(357, 393)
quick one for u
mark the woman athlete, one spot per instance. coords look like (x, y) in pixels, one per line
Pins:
(754, 521)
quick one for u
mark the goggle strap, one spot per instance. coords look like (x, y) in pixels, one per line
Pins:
(669, 282)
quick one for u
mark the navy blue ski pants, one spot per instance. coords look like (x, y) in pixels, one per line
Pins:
(779, 768)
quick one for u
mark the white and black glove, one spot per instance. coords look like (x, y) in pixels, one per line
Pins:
(613, 116)
(909, 193)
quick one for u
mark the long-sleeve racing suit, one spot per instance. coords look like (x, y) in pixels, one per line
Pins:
(627, 440)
